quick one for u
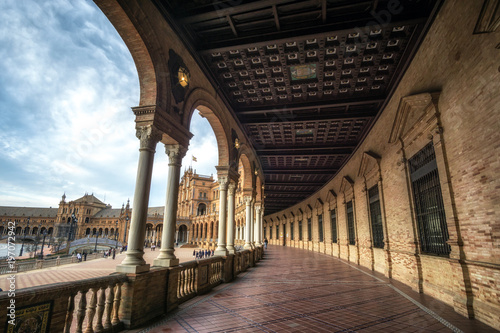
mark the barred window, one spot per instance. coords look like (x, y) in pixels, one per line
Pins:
(350, 223)
(320, 227)
(333, 225)
(429, 208)
(376, 217)
(265, 229)
(291, 230)
(300, 230)
(309, 229)
(277, 231)
(270, 232)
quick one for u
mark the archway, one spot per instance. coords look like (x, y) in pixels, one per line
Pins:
(182, 234)
(202, 209)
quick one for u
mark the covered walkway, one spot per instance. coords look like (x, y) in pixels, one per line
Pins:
(293, 290)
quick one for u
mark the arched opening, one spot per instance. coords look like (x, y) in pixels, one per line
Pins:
(87, 232)
(182, 234)
(202, 209)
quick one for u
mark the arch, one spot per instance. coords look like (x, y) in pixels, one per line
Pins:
(245, 169)
(202, 209)
(138, 49)
(51, 231)
(34, 231)
(87, 232)
(69, 220)
(87, 220)
(106, 232)
(100, 231)
(209, 108)
(94, 231)
(182, 234)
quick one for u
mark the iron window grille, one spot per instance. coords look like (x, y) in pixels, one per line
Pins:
(277, 231)
(333, 225)
(271, 232)
(376, 217)
(300, 230)
(320, 227)
(291, 230)
(350, 223)
(309, 229)
(428, 199)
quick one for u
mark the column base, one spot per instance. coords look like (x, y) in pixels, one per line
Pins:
(222, 253)
(233, 251)
(166, 262)
(247, 246)
(132, 269)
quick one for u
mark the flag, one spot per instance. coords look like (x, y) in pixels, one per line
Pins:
(194, 159)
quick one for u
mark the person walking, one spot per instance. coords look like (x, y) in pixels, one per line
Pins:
(265, 243)
(79, 257)
(114, 254)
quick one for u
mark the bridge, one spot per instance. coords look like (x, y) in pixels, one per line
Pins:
(90, 243)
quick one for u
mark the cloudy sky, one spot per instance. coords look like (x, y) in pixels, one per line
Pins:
(67, 83)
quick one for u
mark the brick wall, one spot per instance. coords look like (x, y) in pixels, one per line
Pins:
(464, 68)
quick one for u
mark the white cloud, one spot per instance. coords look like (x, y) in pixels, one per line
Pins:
(67, 85)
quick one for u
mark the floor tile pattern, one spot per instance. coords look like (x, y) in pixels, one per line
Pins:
(293, 290)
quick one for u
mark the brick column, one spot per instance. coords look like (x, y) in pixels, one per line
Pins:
(167, 258)
(134, 262)
(230, 217)
(221, 243)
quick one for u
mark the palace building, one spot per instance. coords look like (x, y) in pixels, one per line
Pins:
(364, 130)
(197, 219)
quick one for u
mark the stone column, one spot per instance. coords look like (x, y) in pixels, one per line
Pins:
(248, 229)
(258, 228)
(221, 243)
(230, 218)
(167, 258)
(134, 262)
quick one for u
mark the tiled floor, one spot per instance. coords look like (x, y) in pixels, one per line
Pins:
(294, 290)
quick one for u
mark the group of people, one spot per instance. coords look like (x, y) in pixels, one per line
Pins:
(109, 253)
(203, 253)
(106, 253)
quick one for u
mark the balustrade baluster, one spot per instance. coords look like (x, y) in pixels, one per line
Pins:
(116, 306)
(80, 314)
(100, 310)
(91, 310)
(69, 313)
(109, 307)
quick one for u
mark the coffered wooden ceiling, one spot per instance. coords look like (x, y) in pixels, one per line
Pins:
(306, 79)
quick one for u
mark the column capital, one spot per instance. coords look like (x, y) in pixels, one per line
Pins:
(248, 200)
(149, 137)
(223, 182)
(175, 154)
(258, 208)
(231, 188)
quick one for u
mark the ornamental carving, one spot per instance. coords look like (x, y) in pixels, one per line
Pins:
(175, 154)
(149, 137)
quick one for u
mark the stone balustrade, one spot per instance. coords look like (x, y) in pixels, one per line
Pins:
(119, 301)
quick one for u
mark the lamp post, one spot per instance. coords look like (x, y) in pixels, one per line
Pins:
(36, 239)
(43, 243)
(73, 220)
(96, 237)
(22, 245)
(125, 230)
(116, 235)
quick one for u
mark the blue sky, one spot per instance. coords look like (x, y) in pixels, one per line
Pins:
(67, 83)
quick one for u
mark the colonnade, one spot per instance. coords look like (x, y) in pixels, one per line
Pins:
(134, 261)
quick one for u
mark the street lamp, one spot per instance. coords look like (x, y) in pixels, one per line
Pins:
(125, 230)
(116, 235)
(96, 236)
(73, 220)
(43, 243)
(22, 245)
(37, 240)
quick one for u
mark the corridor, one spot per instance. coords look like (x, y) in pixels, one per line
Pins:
(293, 290)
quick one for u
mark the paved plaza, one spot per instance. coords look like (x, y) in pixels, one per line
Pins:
(83, 270)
